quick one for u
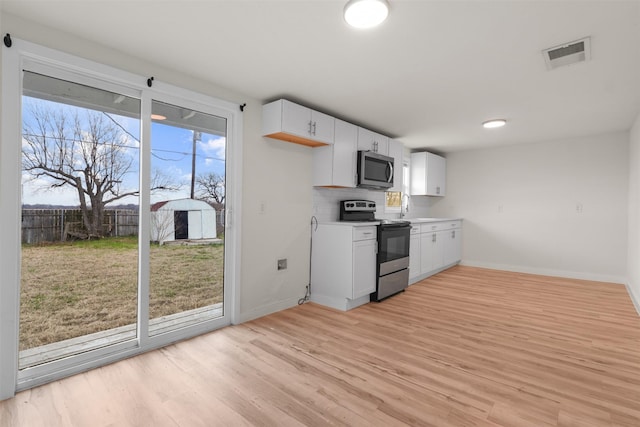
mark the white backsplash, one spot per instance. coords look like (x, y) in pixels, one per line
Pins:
(419, 206)
(326, 203)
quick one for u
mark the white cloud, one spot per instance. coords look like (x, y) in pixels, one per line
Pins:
(214, 147)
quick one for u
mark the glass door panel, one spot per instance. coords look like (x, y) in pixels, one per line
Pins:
(186, 256)
(80, 184)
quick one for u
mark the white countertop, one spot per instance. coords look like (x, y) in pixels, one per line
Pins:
(350, 223)
(421, 220)
(366, 223)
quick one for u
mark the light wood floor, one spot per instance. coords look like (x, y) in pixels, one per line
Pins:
(468, 347)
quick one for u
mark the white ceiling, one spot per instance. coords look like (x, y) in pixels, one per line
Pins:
(429, 76)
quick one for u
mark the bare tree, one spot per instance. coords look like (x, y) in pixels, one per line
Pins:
(85, 150)
(162, 225)
(211, 187)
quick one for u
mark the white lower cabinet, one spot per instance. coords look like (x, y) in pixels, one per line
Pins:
(452, 245)
(343, 265)
(431, 255)
(414, 253)
(440, 247)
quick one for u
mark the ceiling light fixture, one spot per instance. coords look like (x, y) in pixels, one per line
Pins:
(366, 13)
(158, 117)
(496, 123)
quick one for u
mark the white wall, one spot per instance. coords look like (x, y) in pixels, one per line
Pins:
(520, 206)
(633, 254)
(276, 223)
(275, 172)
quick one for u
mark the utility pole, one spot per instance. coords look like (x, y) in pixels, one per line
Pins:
(196, 137)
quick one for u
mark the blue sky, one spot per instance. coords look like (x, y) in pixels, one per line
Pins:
(171, 154)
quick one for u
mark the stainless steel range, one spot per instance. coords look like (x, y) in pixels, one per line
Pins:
(393, 247)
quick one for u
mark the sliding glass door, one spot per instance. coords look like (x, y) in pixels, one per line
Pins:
(186, 255)
(80, 185)
(117, 195)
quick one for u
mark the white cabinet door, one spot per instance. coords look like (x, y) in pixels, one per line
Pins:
(427, 246)
(414, 257)
(428, 174)
(296, 119)
(372, 141)
(335, 165)
(364, 268)
(396, 150)
(322, 126)
(436, 175)
(432, 251)
(452, 246)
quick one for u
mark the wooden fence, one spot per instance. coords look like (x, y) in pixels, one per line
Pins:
(55, 225)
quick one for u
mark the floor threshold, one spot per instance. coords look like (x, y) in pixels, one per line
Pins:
(61, 349)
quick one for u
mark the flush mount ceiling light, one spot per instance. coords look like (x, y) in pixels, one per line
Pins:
(366, 13)
(495, 123)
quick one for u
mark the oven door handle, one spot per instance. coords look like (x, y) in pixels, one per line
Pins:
(390, 169)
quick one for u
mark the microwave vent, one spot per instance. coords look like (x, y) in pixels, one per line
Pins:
(568, 53)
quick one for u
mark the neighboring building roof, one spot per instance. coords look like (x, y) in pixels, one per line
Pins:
(158, 205)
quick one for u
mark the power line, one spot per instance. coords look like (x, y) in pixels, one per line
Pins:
(133, 147)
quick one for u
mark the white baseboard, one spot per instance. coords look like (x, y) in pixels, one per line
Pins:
(548, 272)
(635, 299)
(266, 309)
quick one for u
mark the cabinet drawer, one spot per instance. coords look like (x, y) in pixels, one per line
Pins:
(451, 225)
(415, 229)
(429, 227)
(364, 233)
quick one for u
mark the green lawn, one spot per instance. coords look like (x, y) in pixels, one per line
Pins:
(75, 288)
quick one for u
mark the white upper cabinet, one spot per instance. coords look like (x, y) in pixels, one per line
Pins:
(335, 165)
(288, 121)
(428, 174)
(372, 141)
(396, 150)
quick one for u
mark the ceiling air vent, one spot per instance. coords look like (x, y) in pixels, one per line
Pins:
(567, 54)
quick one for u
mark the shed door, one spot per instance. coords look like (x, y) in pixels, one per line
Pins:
(181, 221)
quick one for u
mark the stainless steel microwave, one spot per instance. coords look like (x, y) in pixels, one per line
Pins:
(375, 170)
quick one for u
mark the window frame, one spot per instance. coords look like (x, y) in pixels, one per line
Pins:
(24, 55)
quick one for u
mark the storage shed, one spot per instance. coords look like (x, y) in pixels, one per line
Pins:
(182, 219)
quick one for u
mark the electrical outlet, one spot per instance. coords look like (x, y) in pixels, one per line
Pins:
(579, 208)
(282, 264)
(262, 208)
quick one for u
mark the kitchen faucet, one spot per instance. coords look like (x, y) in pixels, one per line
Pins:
(404, 211)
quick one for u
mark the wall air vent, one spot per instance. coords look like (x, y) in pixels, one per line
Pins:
(567, 54)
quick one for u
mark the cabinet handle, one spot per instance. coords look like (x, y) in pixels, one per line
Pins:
(309, 127)
(314, 128)
(453, 234)
(437, 190)
(367, 233)
(375, 146)
(433, 239)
